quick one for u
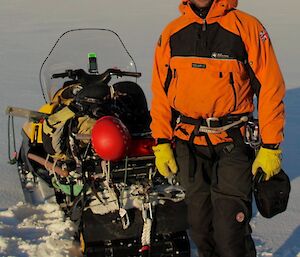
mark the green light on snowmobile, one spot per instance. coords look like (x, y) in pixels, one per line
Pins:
(93, 66)
(92, 55)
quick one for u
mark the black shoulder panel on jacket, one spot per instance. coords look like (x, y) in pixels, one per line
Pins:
(168, 81)
(255, 84)
(213, 41)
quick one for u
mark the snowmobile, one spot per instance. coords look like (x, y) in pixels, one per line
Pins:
(91, 145)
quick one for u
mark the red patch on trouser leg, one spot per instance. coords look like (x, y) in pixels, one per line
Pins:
(240, 217)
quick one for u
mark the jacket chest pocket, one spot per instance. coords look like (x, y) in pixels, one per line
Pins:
(203, 88)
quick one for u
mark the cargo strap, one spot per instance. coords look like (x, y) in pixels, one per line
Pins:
(202, 127)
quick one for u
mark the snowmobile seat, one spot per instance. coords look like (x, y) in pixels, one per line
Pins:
(134, 93)
(132, 101)
(98, 91)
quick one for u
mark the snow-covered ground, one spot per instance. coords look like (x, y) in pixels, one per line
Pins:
(28, 30)
(35, 231)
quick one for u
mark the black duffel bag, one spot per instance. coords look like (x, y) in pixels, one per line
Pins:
(271, 196)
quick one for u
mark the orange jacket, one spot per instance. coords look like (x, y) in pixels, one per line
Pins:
(211, 68)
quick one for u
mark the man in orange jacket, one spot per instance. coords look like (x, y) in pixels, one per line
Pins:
(208, 65)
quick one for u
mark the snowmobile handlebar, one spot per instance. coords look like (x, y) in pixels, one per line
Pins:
(119, 73)
(80, 74)
(62, 75)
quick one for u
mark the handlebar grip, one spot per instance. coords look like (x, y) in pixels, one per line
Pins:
(131, 74)
(120, 73)
(59, 75)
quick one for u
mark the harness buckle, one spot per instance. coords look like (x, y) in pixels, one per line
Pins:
(211, 119)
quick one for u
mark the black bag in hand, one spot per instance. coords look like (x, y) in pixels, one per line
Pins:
(271, 196)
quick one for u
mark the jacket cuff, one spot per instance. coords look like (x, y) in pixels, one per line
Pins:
(159, 141)
(271, 146)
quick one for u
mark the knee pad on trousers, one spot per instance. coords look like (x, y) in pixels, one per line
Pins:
(231, 217)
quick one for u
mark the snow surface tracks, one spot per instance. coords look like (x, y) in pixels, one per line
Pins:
(42, 230)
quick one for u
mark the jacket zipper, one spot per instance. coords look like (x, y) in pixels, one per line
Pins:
(174, 77)
(204, 34)
(204, 25)
(231, 81)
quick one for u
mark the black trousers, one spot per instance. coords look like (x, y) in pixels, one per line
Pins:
(219, 197)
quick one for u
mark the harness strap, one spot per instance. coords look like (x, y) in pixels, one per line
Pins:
(230, 123)
(192, 149)
(214, 125)
(236, 136)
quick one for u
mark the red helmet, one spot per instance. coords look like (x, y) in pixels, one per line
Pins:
(110, 138)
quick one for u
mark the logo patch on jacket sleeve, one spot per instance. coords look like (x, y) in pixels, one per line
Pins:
(264, 35)
(199, 65)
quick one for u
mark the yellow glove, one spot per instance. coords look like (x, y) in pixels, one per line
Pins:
(165, 161)
(269, 160)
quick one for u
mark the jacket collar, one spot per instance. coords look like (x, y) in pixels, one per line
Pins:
(218, 8)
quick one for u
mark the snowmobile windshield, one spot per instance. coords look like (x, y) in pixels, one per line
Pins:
(91, 50)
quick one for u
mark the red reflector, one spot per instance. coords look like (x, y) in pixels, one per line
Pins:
(145, 248)
(141, 147)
